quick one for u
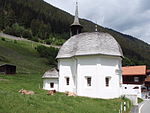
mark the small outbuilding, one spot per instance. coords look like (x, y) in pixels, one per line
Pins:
(50, 79)
(8, 69)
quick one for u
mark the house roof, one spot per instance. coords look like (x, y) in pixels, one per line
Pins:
(7, 65)
(52, 73)
(147, 79)
(134, 70)
(93, 43)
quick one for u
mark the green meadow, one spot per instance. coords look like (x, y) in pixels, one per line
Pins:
(11, 101)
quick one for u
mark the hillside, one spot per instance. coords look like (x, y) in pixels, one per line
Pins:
(23, 55)
(38, 20)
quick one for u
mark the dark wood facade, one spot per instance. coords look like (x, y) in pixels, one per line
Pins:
(134, 79)
(8, 69)
(147, 80)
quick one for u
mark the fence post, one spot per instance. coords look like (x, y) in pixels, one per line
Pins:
(124, 106)
(121, 107)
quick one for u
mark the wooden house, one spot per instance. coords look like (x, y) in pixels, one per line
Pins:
(134, 80)
(7, 69)
(134, 74)
(147, 80)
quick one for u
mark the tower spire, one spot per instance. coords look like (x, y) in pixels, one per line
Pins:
(76, 18)
(76, 27)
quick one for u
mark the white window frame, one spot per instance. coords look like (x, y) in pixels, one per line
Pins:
(136, 79)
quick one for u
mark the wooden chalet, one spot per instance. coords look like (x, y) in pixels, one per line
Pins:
(7, 69)
(147, 80)
(148, 72)
(134, 74)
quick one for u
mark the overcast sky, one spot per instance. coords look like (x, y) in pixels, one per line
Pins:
(127, 16)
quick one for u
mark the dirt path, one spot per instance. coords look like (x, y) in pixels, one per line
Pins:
(20, 38)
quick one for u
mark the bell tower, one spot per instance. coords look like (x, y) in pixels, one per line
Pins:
(76, 27)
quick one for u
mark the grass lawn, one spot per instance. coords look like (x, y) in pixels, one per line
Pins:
(13, 102)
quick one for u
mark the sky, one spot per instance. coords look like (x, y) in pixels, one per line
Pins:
(131, 17)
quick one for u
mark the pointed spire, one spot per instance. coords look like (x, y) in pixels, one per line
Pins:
(76, 18)
(76, 28)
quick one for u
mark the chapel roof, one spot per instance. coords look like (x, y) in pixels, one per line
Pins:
(133, 70)
(90, 43)
(52, 73)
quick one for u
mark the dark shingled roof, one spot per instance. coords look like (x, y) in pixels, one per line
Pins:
(94, 43)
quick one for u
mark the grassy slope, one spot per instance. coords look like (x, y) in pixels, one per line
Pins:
(23, 55)
(13, 102)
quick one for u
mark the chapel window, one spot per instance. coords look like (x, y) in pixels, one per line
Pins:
(107, 80)
(88, 81)
(67, 80)
(51, 85)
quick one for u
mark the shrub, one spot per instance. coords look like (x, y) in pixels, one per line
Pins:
(3, 39)
(59, 42)
(19, 31)
(15, 41)
(35, 39)
(48, 52)
(27, 33)
(49, 41)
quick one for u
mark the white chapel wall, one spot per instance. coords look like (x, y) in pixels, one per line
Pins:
(132, 89)
(47, 81)
(66, 69)
(98, 68)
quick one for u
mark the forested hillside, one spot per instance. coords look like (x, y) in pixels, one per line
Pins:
(40, 21)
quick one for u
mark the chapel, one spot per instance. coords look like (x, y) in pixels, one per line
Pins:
(90, 63)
